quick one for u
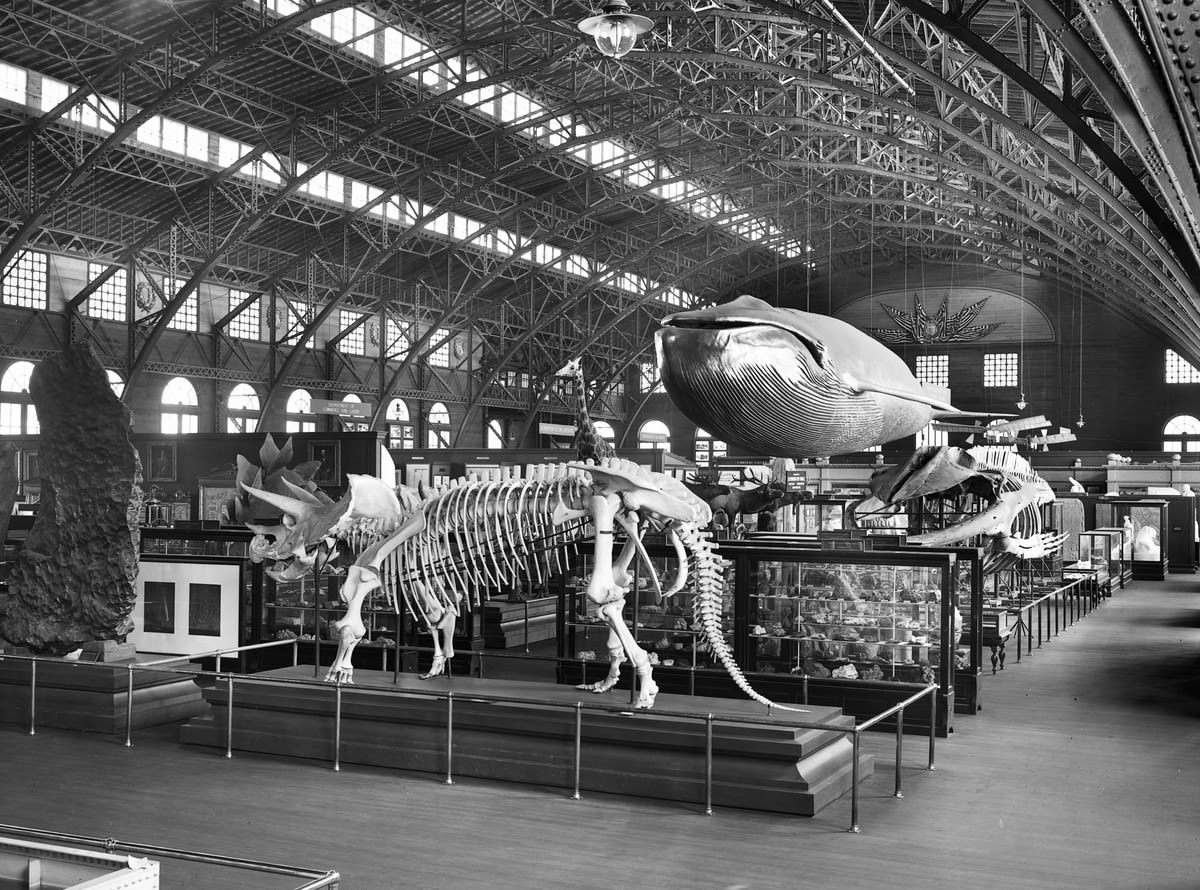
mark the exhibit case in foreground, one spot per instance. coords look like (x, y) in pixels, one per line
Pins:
(855, 629)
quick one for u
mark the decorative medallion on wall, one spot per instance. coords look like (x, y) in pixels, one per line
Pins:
(373, 333)
(919, 326)
(143, 297)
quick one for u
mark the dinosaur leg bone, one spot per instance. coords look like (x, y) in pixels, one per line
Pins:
(609, 595)
(360, 581)
(442, 631)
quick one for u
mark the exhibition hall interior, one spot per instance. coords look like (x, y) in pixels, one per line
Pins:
(529, 443)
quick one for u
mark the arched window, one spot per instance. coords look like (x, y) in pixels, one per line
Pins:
(707, 448)
(115, 381)
(654, 434)
(353, 426)
(496, 433)
(297, 418)
(18, 416)
(1182, 433)
(605, 431)
(438, 434)
(400, 428)
(243, 408)
(181, 407)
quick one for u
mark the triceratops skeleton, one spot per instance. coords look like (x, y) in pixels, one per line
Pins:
(436, 553)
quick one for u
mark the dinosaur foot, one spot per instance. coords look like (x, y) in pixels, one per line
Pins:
(343, 675)
(599, 686)
(647, 694)
(437, 668)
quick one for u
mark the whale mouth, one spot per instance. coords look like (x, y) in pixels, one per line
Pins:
(746, 330)
(753, 316)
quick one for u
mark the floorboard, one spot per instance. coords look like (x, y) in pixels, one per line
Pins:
(1081, 771)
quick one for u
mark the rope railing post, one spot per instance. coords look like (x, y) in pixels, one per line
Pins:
(854, 829)
(295, 652)
(899, 793)
(708, 764)
(129, 709)
(578, 747)
(337, 727)
(229, 717)
(449, 780)
(33, 697)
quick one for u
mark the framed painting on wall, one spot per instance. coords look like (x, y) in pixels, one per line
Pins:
(329, 453)
(161, 466)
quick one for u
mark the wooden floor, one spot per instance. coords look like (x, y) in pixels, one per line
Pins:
(1082, 771)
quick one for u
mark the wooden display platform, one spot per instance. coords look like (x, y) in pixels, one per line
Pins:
(93, 696)
(642, 753)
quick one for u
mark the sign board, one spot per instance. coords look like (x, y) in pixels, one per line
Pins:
(340, 409)
(556, 429)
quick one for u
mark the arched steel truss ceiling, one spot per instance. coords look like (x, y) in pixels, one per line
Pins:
(1085, 220)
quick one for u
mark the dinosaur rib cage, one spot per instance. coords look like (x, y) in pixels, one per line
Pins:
(482, 536)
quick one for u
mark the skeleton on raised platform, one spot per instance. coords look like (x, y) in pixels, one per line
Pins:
(450, 549)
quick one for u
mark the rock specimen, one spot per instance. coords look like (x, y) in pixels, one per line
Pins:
(74, 579)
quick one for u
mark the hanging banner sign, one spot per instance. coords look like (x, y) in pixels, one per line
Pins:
(340, 409)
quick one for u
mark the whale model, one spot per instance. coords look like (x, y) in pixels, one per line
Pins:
(788, 383)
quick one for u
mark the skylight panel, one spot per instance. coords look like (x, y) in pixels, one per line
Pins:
(362, 194)
(13, 83)
(53, 92)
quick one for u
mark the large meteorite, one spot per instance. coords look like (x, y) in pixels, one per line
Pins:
(74, 579)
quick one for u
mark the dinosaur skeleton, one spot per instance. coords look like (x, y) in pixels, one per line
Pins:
(475, 536)
(1012, 490)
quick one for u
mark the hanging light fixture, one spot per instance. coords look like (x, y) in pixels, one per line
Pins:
(1079, 422)
(616, 29)
(1021, 403)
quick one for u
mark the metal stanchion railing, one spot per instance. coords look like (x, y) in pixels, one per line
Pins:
(856, 745)
(229, 717)
(578, 756)
(337, 727)
(898, 792)
(313, 879)
(183, 659)
(708, 764)
(449, 739)
(129, 710)
(932, 727)
(230, 679)
(33, 699)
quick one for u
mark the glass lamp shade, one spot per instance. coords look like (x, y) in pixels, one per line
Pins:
(616, 30)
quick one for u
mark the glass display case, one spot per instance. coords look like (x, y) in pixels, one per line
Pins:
(853, 629)
(1120, 554)
(846, 620)
(818, 515)
(1096, 554)
(1145, 519)
(857, 627)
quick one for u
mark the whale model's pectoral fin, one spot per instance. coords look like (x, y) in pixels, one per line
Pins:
(954, 413)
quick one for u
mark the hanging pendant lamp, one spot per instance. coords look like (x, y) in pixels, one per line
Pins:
(616, 29)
